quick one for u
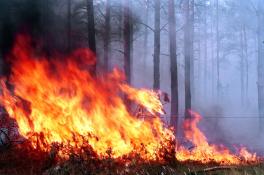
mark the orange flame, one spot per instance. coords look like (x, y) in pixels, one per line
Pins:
(63, 103)
(65, 99)
(203, 151)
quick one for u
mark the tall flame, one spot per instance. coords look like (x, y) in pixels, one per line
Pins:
(64, 103)
(64, 100)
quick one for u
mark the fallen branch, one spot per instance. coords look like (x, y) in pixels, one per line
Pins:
(216, 168)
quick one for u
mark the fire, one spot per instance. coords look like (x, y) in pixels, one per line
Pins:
(61, 102)
(204, 152)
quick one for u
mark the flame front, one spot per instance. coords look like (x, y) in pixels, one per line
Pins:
(204, 152)
(64, 103)
(64, 99)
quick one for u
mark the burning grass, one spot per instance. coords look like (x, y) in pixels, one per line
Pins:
(69, 122)
(24, 161)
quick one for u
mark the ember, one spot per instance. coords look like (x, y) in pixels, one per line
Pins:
(61, 102)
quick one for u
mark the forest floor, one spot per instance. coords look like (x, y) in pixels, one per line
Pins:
(111, 167)
(24, 161)
(163, 169)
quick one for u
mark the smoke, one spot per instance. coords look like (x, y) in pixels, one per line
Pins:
(225, 118)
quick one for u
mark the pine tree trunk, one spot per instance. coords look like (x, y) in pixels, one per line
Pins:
(173, 64)
(242, 68)
(246, 62)
(127, 46)
(127, 41)
(107, 34)
(187, 55)
(199, 79)
(91, 31)
(212, 52)
(205, 55)
(260, 68)
(217, 51)
(156, 56)
(145, 47)
(191, 17)
(131, 40)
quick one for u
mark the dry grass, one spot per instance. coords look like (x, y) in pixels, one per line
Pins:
(24, 161)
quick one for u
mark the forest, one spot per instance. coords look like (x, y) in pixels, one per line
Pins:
(132, 87)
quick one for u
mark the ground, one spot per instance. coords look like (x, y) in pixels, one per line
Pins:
(158, 169)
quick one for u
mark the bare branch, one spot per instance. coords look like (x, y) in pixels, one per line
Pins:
(146, 26)
(163, 26)
(118, 50)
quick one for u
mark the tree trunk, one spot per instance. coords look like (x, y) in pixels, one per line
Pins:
(187, 55)
(156, 56)
(120, 19)
(131, 40)
(246, 62)
(217, 51)
(91, 31)
(260, 68)
(199, 71)
(191, 17)
(242, 69)
(173, 64)
(205, 54)
(107, 34)
(145, 47)
(127, 41)
(69, 26)
(212, 52)
(127, 46)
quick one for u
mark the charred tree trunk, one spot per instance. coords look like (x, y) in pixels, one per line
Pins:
(173, 64)
(127, 41)
(69, 26)
(91, 30)
(187, 55)
(156, 56)
(107, 34)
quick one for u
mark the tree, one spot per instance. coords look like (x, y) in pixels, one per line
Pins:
(156, 56)
(127, 40)
(260, 67)
(173, 64)
(91, 30)
(187, 55)
(242, 65)
(217, 50)
(205, 52)
(191, 23)
(146, 34)
(246, 60)
(212, 42)
(107, 31)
